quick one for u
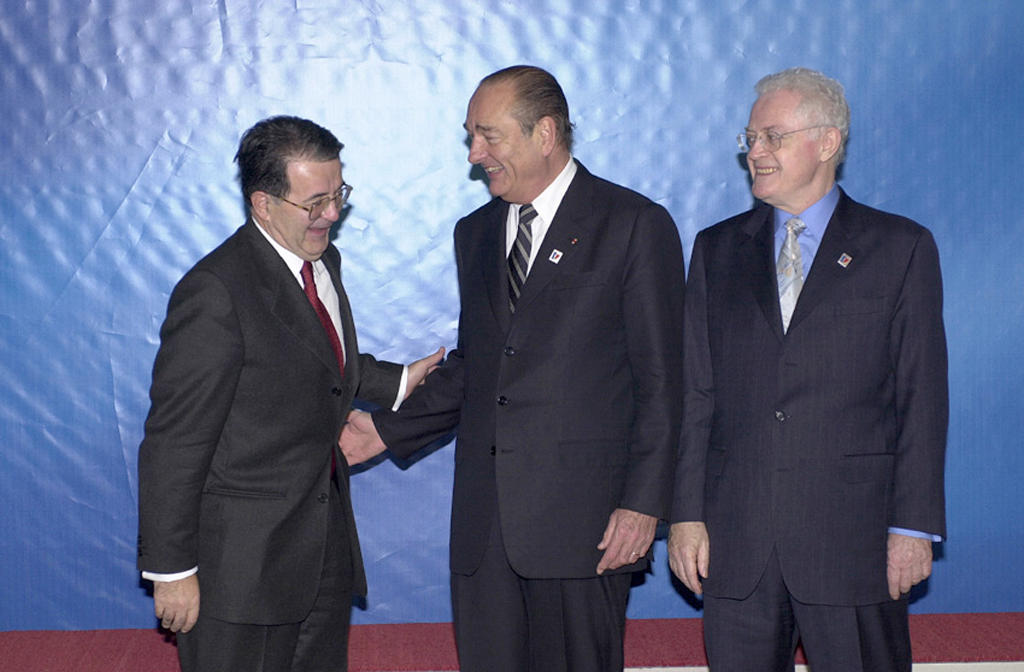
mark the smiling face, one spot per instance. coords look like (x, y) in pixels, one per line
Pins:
(802, 170)
(518, 166)
(290, 225)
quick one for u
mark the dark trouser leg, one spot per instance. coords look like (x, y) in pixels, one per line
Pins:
(319, 643)
(869, 638)
(756, 633)
(505, 623)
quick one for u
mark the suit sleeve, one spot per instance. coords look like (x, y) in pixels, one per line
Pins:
(194, 378)
(653, 285)
(378, 381)
(918, 351)
(698, 396)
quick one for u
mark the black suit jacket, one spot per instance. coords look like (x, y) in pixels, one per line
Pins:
(571, 407)
(247, 405)
(813, 442)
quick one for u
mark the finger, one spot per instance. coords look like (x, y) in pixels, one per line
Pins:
(703, 559)
(190, 620)
(894, 584)
(606, 538)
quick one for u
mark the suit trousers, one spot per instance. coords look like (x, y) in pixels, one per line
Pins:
(507, 623)
(761, 632)
(319, 643)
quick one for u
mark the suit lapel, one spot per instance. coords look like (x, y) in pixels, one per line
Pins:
(560, 241)
(827, 272)
(332, 260)
(494, 262)
(759, 260)
(288, 303)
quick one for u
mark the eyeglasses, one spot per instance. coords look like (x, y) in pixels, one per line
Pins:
(317, 207)
(771, 140)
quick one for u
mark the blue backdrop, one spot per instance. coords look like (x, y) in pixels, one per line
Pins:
(120, 121)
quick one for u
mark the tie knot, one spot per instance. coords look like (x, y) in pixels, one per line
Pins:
(527, 213)
(795, 226)
(307, 274)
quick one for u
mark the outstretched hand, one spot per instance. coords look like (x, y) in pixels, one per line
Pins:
(359, 440)
(421, 368)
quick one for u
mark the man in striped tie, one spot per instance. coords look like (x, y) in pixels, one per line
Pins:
(565, 388)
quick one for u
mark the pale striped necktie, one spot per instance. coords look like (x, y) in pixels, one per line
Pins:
(790, 270)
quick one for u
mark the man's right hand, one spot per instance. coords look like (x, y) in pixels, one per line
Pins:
(359, 440)
(688, 553)
(176, 603)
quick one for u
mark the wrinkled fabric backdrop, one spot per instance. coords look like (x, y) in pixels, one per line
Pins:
(120, 120)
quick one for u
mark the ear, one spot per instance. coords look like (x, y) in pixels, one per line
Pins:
(830, 141)
(259, 203)
(546, 134)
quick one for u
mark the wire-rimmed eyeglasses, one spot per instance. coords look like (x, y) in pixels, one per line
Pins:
(317, 207)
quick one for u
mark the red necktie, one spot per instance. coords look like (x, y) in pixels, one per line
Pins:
(325, 319)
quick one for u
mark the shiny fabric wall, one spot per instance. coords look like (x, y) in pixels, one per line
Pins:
(120, 121)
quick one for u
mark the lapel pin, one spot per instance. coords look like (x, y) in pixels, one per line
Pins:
(574, 241)
(556, 256)
(844, 260)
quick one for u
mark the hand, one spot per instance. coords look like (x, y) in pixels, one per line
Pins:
(359, 440)
(688, 553)
(909, 563)
(420, 369)
(626, 539)
(176, 603)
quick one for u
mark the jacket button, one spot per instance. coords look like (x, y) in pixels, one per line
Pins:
(780, 416)
(503, 400)
(493, 451)
(509, 350)
(322, 498)
(336, 391)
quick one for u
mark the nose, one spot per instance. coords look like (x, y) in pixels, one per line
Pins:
(332, 211)
(476, 151)
(759, 147)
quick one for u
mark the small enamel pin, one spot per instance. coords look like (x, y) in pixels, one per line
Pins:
(574, 241)
(844, 260)
(556, 256)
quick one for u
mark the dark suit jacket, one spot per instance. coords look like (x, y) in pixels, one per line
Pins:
(814, 442)
(247, 405)
(571, 407)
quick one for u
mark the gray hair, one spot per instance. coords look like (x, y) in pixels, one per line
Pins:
(823, 99)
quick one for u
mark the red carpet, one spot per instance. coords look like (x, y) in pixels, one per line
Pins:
(429, 646)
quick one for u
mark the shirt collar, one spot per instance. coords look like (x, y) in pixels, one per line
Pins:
(815, 217)
(547, 202)
(292, 260)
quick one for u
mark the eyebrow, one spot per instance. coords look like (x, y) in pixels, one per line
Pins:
(317, 197)
(479, 128)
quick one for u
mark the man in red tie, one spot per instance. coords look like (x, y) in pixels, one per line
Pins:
(242, 498)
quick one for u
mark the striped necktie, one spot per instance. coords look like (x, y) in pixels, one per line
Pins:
(790, 270)
(519, 257)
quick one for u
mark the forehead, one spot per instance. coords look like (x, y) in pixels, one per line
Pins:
(491, 105)
(313, 178)
(775, 109)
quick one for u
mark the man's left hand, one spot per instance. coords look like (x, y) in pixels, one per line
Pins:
(421, 368)
(626, 539)
(909, 563)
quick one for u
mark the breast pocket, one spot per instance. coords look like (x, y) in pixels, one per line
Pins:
(860, 306)
(578, 280)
